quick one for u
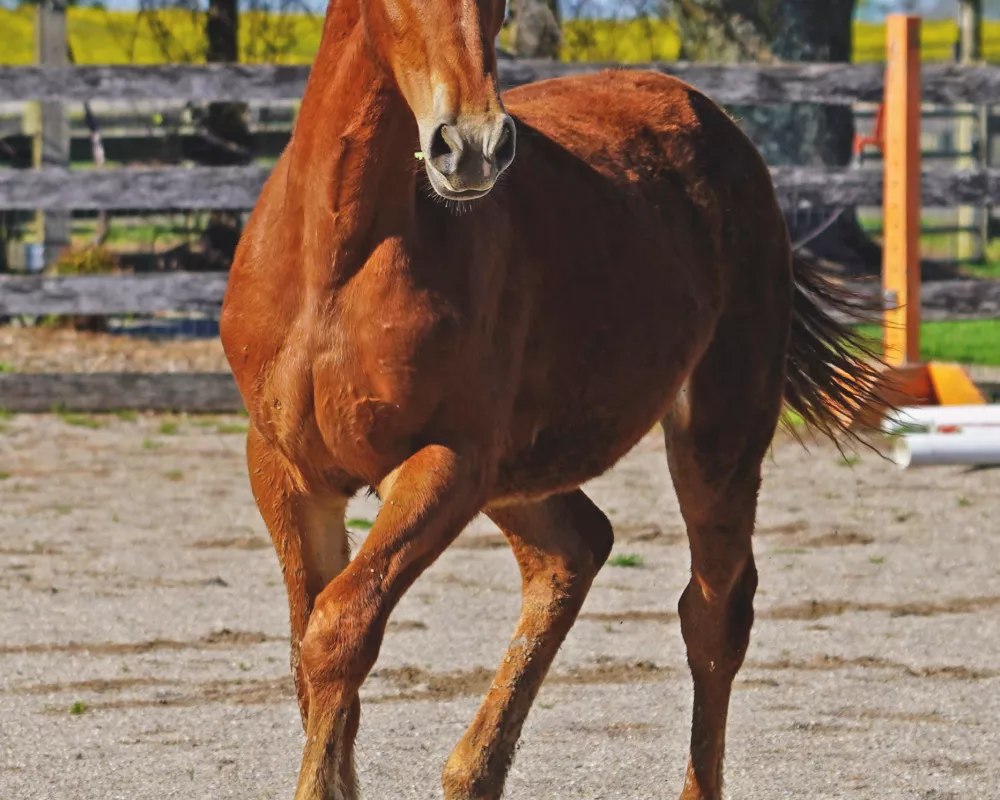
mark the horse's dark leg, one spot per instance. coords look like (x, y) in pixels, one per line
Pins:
(560, 544)
(717, 437)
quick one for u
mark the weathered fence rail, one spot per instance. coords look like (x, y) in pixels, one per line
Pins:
(203, 293)
(179, 188)
(139, 188)
(835, 84)
(101, 392)
(147, 293)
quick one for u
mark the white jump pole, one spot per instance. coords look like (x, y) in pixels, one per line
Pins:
(928, 449)
(936, 417)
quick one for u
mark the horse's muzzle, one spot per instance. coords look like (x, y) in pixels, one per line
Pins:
(464, 158)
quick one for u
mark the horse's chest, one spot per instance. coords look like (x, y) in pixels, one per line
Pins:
(366, 376)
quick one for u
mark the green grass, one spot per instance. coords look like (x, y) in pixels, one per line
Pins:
(128, 235)
(77, 708)
(626, 560)
(231, 427)
(174, 475)
(360, 524)
(4, 476)
(151, 444)
(169, 428)
(127, 416)
(990, 266)
(961, 342)
(81, 421)
(942, 246)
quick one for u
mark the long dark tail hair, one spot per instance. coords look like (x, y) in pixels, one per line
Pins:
(832, 371)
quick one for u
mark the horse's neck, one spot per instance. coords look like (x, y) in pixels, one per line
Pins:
(351, 154)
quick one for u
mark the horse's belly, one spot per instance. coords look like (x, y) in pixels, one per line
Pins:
(576, 447)
(561, 461)
(592, 390)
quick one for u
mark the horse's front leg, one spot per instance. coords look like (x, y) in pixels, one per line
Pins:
(426, 503)
(560, 543)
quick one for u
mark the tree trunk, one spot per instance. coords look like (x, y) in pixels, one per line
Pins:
(226, 139)
(537, 31)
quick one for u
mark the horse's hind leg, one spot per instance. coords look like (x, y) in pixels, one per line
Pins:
(717, 437)
(560, 543)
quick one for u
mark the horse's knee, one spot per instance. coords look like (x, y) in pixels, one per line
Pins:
(339, 648)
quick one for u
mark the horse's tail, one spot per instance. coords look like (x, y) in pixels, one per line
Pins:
(831, 371)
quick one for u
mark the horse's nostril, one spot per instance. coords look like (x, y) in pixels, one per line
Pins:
(503, 152)
(442, 143)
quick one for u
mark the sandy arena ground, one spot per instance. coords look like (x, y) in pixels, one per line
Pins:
(137, 579)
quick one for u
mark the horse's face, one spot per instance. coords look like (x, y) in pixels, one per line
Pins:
(442, 55)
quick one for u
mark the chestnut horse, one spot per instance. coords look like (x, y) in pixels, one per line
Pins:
(469, 331)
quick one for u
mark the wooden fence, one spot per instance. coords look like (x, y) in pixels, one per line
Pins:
(750, 84)
(177, 188)
(163, 188)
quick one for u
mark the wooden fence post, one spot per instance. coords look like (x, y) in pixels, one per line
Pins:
(901, 270)
(51, 135)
